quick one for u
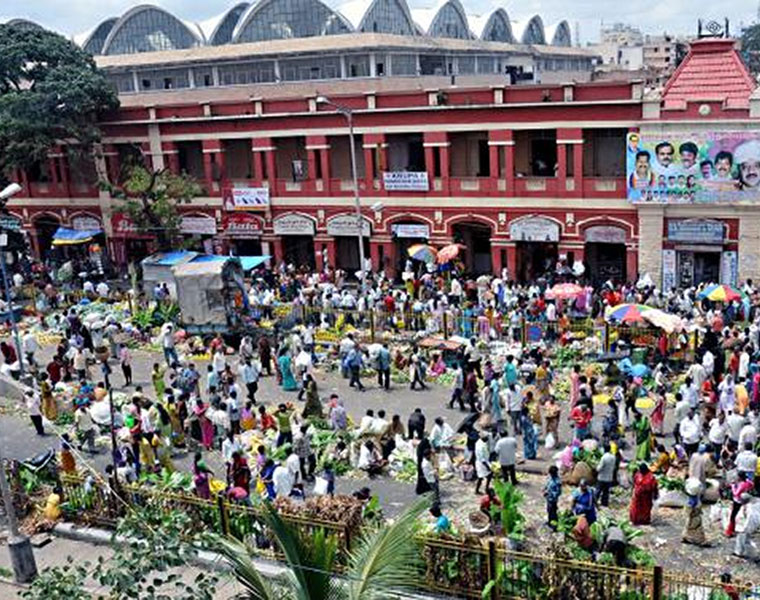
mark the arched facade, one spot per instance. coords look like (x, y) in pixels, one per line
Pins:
(94, 41)
(560, 34)
(225, 27)
(24, 24)
(497, 28)
(285, 19)
(388, 16)
(450, 22)
(149, 29)
(533, 33)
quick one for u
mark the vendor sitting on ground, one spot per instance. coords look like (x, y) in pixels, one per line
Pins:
(370, 459)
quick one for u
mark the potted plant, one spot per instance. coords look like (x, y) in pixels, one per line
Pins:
(507, 517)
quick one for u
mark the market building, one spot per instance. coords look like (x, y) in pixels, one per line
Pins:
(521, 171)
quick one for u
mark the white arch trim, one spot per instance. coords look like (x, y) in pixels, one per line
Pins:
(581, 226)
(194, 31)
(538, 216)
(211, 27)
(471, 218)
(396, 218)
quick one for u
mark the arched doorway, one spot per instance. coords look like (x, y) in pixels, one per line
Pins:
(476, 238)
(605, 254)
(45, 227)
(406, 234)
(536, 247)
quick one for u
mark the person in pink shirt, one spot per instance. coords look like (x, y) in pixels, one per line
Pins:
(739, 490)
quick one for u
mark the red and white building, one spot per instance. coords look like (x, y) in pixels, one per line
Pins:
(520, 174)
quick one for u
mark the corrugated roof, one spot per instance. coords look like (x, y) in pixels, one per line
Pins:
(711, 71)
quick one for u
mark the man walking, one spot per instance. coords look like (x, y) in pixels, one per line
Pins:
(506, 449)
(384, 367)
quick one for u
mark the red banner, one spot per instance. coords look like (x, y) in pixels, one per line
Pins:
(242, 225)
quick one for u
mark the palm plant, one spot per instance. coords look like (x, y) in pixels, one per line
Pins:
(384, 561)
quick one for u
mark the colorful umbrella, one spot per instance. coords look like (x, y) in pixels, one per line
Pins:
(666, 321)
(721, 293)
(626, 313)
(448, 253)
(422, 252)
(564, 291)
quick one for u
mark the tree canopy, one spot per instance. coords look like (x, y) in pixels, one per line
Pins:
(750, 41)
(50, 90)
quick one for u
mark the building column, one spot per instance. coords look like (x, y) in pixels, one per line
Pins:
(578, 169)
(631, 264)
(496, 265)
(561, 169)
(171, 156)
(749, 244)
(651, 219)
(509, 168)
(258, 167)
(573, 137)
(375, 161)
(445, 169)
(213, 165)
(430, 162)
(63, 165)
(111, 157)
(369, 167)
(493, 167)
(331, 252)
(512, 261)
(324, 158)
(55, 181)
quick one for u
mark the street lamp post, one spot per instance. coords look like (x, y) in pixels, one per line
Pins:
(5, 195)
(349, 114)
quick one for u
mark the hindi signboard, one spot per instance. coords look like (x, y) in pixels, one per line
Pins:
(406, 181)
(411, 231)
(345, 225)
(293, 224)
(534, 229)
(198, 225)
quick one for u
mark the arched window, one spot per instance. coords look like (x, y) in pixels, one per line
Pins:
(94, 42)
(497, 28)
(284, 19)
(149, 29)
(222, 34)
(562, 35)
(450, 22)
(534, 32)
(388, 16)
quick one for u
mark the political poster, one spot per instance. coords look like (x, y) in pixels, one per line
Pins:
(702, 168)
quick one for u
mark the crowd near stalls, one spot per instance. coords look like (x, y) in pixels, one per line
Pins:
(622, 394)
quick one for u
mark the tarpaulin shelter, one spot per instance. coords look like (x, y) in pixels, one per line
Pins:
(64, 236)
(157, 268)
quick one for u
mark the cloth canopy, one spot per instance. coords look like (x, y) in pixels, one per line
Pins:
(64, 236)
(247, 262)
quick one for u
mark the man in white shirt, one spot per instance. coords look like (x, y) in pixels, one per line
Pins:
(367, 423)
(698, 374)
(748, 434)
(249, 372)
(230, 445)
(605, 473)
(283, 481)
(743, 364)
(29, 346)
(691, 432)
(708, 362)
(735, 424)
(441, 435)
(506, 449)
(717, 435)
(103, 289)
(746, 461)
(482, 463)
(679, 413)
(689, 393)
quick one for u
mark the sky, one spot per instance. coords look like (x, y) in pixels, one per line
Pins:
(651, 16)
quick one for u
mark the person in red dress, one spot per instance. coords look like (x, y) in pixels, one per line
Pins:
(644, 495)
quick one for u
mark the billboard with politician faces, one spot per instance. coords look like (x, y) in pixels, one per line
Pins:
(703, 168)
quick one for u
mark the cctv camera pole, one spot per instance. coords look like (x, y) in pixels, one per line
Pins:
(19, 546)
(14, 325)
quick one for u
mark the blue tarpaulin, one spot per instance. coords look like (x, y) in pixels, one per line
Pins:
(247, 262)
(169, 259)
(64, 236)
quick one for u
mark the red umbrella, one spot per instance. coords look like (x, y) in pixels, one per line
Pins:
(449, 253)
(564, 291)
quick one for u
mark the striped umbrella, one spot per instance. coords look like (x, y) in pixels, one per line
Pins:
(448, 253)
(721, 293)
(626, 313)
(422, 252)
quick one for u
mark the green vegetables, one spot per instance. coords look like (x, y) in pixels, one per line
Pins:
(671, 484)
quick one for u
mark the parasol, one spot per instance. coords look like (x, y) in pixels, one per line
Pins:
(665, 321)
(565, 291)
(721, 293)
(626, 313)
(422, 252)
(449, 253)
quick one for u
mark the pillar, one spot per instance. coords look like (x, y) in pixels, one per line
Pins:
(651, 219)
(430, 163)
(324, 158)
(171, 156)
(749, 244)
(493, 167)
(112, 162)
(258, 167)
(561, 169)
(375, 155)
(496, 258)
(509, 168)
(572, 137)
(331, 252)
(369, 167)
(213, 165)
(512, 261)
(311, 169)
(631, 264)
(445, 169)
(578, 169)
(55, 181)
(277, 251)
(63, 164)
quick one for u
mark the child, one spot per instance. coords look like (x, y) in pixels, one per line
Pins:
(552, 493)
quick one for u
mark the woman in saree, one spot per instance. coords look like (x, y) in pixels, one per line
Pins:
(200, 410)
(643, 433)
(201, 475)
(644, 495)
(285, 363)
(178, 432)
(657, 417)
(530, 441)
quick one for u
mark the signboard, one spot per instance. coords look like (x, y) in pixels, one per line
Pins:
(411, 231)
(709, 167)
(344, 225)
(668, 270)
(198, 225)
(247, 198)
(405, 181)
(729, 268)
(605, 234)
(10, 223)
(123, 226)
(293, 225)
(700, 231)
(534, 229)
(242, 226)
(85, 223)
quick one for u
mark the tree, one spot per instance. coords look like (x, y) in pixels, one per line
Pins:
(385, 561)
(50, 90)
(750, 42)
(150, 198)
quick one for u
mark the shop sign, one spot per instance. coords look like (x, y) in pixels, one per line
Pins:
(605, 234)
(247, 198)
(534, 229)
(293, 225)
(405, 181)
(700, 231)
(668, 269)
(123, 226)
(729, 267)
(411, 231)
(85, 224)
(242, 226)
(198, 225)
(345, 225)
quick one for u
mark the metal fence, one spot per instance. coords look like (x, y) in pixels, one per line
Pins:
(463, 568)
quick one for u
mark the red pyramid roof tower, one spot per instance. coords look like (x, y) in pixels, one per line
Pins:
(712, 71)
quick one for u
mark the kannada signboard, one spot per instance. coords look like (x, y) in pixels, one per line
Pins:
(695, 231)
(707, 167)
(668, 269)
(85, 223)
(412, 231)
(345, 225)
(405, 181)
(534, 229)
(200, 225)
(729, 268)
(605, 234)
(293, 224)
(242, 226)
(246, 198)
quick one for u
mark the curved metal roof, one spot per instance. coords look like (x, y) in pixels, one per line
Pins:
(156, 39)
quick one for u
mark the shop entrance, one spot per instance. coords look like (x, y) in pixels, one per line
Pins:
(698, 267)
(45, 226)
(248, 247)
(535, 259)
(476, 239)
(605, 262)
(347, 253)
(298, 250)
(405, 235)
